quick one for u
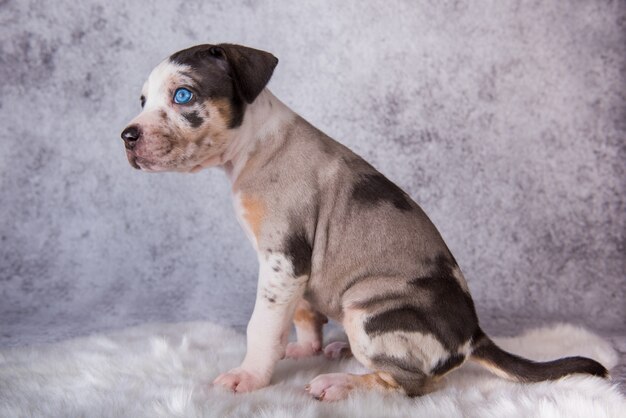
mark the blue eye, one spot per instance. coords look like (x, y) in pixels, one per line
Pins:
(182, 96)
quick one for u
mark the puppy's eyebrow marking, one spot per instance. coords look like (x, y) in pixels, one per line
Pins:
(189, 79)
(188, 74)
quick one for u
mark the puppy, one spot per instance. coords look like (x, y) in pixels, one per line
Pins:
(334, 237)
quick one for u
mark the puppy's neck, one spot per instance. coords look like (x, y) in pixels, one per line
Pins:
(263, 122)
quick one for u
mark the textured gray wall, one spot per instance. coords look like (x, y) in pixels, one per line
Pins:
(505, 120)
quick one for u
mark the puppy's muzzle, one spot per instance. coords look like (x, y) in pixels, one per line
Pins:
(131, 135)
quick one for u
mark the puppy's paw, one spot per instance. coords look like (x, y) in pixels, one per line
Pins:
(337, 350)
(331, 386)
(302, 350)
(239, 380)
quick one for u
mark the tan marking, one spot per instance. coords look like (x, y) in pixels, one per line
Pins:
(378, 380)
(495, 369)
(253, 213)
(223, 108)
(309, 323)
(306, 314)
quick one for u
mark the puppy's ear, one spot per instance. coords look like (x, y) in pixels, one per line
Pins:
(251, 69)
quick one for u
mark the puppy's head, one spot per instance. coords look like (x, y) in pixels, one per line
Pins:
(192, 103)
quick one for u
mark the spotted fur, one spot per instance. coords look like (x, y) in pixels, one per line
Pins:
(334, 237)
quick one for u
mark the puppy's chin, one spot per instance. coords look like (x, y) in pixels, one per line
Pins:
(151, 167)
(141, 163)
(209, 161)
(154, 165)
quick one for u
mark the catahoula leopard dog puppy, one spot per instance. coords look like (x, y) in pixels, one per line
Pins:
(334, 237)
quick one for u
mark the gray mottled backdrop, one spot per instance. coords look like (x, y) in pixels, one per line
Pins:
(505, 120)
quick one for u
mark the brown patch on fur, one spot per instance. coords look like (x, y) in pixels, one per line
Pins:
(213, 139)
(305, 314)
(216, 112)
(222, 106)
(309, 324)
(254, 213)
(378, 380)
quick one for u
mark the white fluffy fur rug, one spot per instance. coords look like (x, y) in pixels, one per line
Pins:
(166, 370)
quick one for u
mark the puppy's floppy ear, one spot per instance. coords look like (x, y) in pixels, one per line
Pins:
(251, 69)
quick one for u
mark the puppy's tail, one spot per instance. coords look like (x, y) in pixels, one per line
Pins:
(519, 369)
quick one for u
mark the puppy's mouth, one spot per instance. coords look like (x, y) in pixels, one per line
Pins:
(133, 163)
(139, 163)
(132, 159)
(143, 164)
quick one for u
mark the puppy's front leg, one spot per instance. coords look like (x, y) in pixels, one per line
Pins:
(278, 293)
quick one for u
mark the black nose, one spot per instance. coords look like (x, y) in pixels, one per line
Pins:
(131, 135)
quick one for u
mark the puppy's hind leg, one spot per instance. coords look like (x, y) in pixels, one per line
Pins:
(398, 361)
(337, 350)
(309, 324)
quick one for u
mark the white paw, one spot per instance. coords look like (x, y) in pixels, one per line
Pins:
(337, 350)
(331, 386)
(240, 380)
(297, 350)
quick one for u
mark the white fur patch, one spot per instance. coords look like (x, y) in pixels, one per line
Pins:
(158, 97)
(398, 344)
(278, 293)
(165, 371)
(155, 89)
(277, 281)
